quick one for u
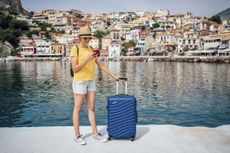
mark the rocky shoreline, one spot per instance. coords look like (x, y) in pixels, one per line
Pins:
(204, 59)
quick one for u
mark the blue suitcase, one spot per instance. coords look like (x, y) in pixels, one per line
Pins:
(122, 115)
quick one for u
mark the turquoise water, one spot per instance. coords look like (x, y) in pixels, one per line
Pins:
(186, 94)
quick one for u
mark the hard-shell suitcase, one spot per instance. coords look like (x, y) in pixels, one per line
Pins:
(122, 115)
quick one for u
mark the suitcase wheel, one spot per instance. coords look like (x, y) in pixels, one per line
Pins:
(109, 138)
(132, 138)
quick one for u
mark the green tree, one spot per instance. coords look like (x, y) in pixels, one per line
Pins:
(155, 25)
(42, 25)
(168, 27)
(10, 35)
(47, 35)
(31, 13)
(30, 33)
(1, 50)
(57, 31)
(127, 45)
(11, 29)
(16, 24)
(4, 21)
(14, 52)
(100, 34)
(154, 35)
(215, 19)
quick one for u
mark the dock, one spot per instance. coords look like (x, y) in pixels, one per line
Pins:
(149, 139)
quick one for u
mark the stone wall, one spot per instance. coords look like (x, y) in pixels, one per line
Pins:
(205, 59)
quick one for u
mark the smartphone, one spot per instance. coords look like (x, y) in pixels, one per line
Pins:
(96, 52)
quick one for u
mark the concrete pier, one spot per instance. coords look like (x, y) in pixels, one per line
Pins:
(149, 139)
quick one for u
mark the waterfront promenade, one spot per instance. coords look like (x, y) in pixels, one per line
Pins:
(149, 139)
(205, 59)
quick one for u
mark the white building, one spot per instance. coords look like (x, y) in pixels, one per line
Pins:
(148, 22)
(28, 50)
(226, 25)
(115, 35)
(165, 39)
(134, 35)
(141, 45)
(40, 17)
(162, 13)
(60, 20)
(105, 42)
(94, 43)
(115, 49)
(209, 25)
(224, 49)
(189, 41)
(125, 31)
(63, 38)
(167, 25)
(43, 47)
(141, 13)
(212, 42)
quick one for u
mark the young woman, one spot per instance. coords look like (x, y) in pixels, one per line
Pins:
(84, 62)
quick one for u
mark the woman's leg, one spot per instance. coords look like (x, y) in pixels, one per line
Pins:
(91, 97)
(78, 103)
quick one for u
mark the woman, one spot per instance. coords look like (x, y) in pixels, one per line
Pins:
(84, 61)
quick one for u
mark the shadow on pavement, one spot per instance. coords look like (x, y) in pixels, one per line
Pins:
(141, 131)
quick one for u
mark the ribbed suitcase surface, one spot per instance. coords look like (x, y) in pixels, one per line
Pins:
(122, 116)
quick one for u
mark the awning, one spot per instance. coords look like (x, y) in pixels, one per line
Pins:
(224, 51)
(130, 53)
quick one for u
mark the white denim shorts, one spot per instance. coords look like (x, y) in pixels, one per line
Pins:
(82, 87)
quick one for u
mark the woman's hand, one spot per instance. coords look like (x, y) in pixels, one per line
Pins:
(90, 57)
(117, 78)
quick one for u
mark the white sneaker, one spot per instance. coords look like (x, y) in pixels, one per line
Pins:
(80, 140)
(100, 138)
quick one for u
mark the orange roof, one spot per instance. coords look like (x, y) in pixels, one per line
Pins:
(211, 22)
(131, 48)
(59, 34)
(57, 44)
(227, 37)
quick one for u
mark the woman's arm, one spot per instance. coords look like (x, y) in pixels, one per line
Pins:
(104, 68)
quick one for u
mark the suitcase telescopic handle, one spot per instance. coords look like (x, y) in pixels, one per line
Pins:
(126, 84)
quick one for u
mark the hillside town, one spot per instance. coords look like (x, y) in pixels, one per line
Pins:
(141, 33)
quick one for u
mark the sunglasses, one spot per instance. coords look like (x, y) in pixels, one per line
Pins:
(87, 38)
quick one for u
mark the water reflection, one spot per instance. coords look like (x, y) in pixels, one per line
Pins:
(188, 94)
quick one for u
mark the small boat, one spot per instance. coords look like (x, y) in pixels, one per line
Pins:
(151, 60)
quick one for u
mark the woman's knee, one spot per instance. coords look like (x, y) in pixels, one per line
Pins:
(77, 108)
(91, 109)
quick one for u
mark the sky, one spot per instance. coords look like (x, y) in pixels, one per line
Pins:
(200, 8)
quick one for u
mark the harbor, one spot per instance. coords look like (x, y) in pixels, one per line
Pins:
(173, 56)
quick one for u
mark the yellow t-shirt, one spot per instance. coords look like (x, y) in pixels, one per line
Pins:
(88, 70)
